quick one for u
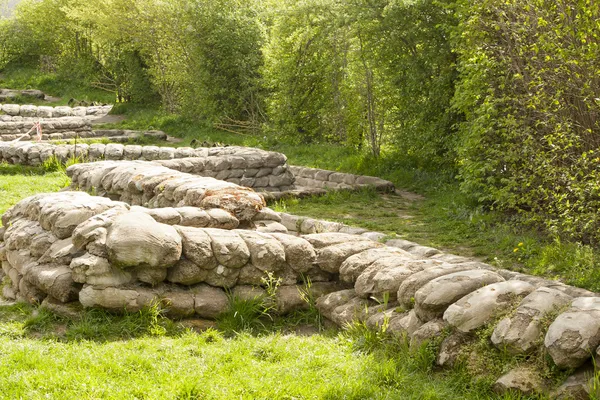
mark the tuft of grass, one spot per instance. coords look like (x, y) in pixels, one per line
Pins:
(53, 164)
(311, 315)
(254, 315)
(245, 315)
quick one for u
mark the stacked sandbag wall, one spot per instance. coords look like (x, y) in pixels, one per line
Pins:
(325, 179)
(259, 169)
(12, 94)
(31, 111)
(57, 122)
(262, 170)
(73, 247)
(56, 128)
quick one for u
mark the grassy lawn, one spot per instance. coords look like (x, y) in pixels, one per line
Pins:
(18, 182)
(143, 356)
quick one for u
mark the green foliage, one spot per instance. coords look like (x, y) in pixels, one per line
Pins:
(365, 339)
(306, 71)
(408, 42)
(378, 73)
(311, 315)
(374, 74)
(529, 92)
(18, 76)
(223, 42)
(201, 57)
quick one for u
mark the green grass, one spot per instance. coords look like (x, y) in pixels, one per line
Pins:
(127, 357)
(18, 182)
(64, 87)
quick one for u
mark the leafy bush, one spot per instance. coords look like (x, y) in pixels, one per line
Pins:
(529, 90)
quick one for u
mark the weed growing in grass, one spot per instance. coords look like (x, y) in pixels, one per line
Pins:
(271, 284)
(367, 340)
(244, 315)
(595, 384)
(311, 315)
(54, 164)
(253, 315)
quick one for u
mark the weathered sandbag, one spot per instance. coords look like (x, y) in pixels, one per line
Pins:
(158, 187)
(436, 296)
(384, 276)
(521, 332)
(136, 239)
(354, 265)
(575, 334)
(478, 308)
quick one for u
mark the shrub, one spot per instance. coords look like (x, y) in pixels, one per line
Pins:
(529, 90)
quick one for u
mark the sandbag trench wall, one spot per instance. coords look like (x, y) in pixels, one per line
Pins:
(414, 290)
(72, 248)
(11, 94)
(32, 111)
(262, 170)
(325, 179)
(448, 299)
(57, 122)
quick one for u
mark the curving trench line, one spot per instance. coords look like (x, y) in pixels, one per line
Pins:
(184, 230)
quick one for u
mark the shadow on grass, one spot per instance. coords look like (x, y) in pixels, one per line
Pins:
(10, 169)
(24, 320)
(391, 368)
(98, 325)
